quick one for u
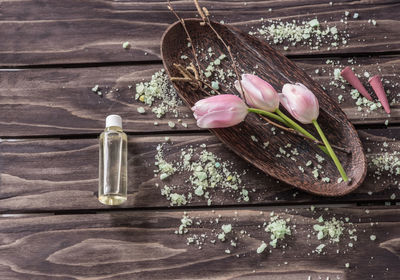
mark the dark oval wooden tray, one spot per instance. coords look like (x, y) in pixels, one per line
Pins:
(256, 56)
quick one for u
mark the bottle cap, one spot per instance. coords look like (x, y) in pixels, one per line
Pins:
(113, 120)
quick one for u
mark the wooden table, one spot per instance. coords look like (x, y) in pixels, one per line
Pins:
(52, 226)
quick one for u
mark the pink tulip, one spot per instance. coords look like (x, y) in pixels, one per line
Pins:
(300, 102)
(258, 93)
(219, 111)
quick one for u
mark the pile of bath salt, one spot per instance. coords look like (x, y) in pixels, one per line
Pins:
(203, 173)
(159, 94)
(306, 33)
(386, 165)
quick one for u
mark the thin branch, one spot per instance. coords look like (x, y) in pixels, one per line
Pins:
(180, 79)
(192, 79)
(199, 10)
(196, 73)
(182, 21)
(206, 19)
(295, 132)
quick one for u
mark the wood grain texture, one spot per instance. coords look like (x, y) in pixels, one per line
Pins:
(49, 32)
(60, 101)
(142, 245)
(51, 175)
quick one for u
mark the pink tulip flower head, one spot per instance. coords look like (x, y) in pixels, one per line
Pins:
(219, 111)
(300, 102)
(258, 93)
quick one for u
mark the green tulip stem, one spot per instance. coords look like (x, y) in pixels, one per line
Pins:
(297, 127)
(330, 150)
(267, 114)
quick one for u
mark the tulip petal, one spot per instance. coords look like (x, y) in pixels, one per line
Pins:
(219, 111)
(237, 86)
(258, 93)
(220, 119)
(284, 101)
(251, 93)
(261, 85)
(300, 102)
(215, 103)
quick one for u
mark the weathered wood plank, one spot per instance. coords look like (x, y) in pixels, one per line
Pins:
(142, 245)
(60, 101)
(50, 175)
(48, 32)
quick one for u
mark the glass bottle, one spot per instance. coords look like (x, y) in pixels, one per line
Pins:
(113, 163)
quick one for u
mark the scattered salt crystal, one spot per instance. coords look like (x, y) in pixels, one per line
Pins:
(326, 180)
(320, 248)
(95, 88)
(226, 228)
(215, 85)
(313, 23)
(261, 248)
(126, 45)
(141, 110)
(171, 124)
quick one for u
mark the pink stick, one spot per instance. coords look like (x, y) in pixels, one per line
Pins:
(349, 75)
(376, 84)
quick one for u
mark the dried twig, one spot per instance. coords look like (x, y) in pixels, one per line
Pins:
(205, 17)
(295, 132)
(182, 21)
(199, 10)
(194, 80)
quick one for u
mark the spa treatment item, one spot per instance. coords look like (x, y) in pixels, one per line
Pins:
(377, 86)
(113, 163)
(349, 76)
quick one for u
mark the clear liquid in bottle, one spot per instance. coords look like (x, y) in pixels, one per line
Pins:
(113, 178)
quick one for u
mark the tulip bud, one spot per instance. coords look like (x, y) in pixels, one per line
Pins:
(300, 102)
(219, 111)
(258, 93)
